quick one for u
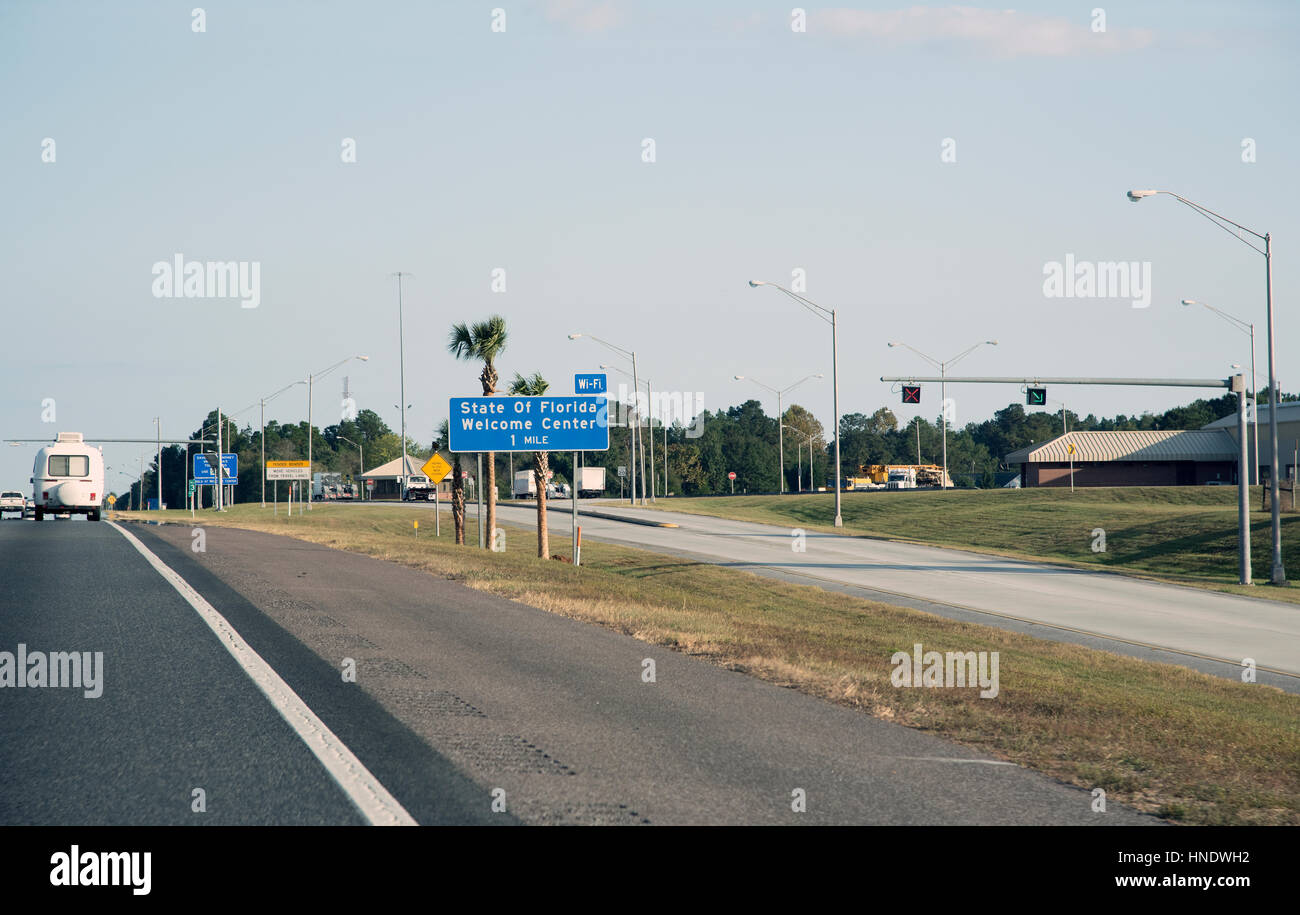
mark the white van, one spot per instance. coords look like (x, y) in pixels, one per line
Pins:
(68, 478)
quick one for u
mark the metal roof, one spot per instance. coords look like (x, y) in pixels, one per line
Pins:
(1288, 412)
(1201, 445)
(393, 469)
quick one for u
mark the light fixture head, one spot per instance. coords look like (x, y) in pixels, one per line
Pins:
(1135, 196)
(757, 283)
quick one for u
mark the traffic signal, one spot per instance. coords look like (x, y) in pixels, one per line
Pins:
(911, 393)
(1036, 397)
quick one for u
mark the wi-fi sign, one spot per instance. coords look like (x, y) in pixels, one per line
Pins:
(911, 393)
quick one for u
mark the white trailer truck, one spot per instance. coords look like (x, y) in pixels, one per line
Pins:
(591, 482)
(523, 486)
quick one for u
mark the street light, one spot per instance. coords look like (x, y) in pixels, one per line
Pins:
(780, 415)
(636, 435)
(943, 390)
(809, 437)
(361, 456)
(650, 423)
(1279, 571)
(310, 379)
(827, 315)
(263, 402)
(1248, 328)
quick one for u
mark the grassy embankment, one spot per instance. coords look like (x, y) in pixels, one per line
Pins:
(1183, 534)
(1165, 739)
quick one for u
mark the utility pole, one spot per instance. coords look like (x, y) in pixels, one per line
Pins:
(157, 425)
(401, 363)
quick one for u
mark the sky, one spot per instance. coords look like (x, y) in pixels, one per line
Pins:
(917, 167)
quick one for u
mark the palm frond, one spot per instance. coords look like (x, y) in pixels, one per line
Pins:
(533, 385)
(460, 342)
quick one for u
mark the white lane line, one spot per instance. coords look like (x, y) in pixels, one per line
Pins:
(362, 788)
(955, 759)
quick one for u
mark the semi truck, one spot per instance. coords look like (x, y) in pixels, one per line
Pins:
(330, 487)
(590, 482)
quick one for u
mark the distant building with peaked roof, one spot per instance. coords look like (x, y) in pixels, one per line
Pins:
(388, 480)
(1130, 458)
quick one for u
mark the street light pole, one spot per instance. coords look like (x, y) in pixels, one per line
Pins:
(401, 370)
(1279, 571)
(263, 402)
(157, 425)
(310, 436)
(828, 315)
(634, 436)
(361, 458)
(780, 420)
(809, 437)
(1247, 327)
(943, 392)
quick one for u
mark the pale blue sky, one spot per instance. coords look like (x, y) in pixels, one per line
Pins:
(775, 150)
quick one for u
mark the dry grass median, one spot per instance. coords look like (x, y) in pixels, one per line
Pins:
(1161, 738)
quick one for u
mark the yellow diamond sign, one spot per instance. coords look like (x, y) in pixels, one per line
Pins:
(435, 468)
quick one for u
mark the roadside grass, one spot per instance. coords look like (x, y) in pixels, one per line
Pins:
(1181, 534)
(1164, 739)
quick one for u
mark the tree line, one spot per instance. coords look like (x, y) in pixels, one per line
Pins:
(740, 439)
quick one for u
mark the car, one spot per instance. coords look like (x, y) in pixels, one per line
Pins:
(29, 509)
(1217, 483)
(12, 501)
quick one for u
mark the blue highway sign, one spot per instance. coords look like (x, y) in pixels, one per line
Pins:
(575, 423)
(204, 475)
(590, 384)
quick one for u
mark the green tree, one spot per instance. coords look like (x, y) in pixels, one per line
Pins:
(535, 385)
(483, 342)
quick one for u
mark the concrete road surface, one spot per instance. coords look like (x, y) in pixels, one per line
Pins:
(461, 699)
(1210, 624)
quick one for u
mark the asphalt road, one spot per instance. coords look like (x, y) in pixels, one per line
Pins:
(460, 698)
(1005, 592)
(177, 713)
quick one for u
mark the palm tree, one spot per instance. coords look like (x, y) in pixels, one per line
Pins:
(457, 483)
(483, 341)
(535, 386)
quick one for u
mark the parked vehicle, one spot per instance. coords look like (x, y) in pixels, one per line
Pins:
(13, 502)
(68, 478)
(590, 482)
(523, 487)
(330, 487)
(419, 489)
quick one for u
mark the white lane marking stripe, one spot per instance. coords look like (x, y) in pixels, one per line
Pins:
(362, 788)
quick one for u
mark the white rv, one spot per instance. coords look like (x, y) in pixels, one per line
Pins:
(68, 478)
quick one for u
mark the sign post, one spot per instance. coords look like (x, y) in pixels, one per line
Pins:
(436, 469)
(1069, 449)
(583, 384)
(731, 475)
(572, 423)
